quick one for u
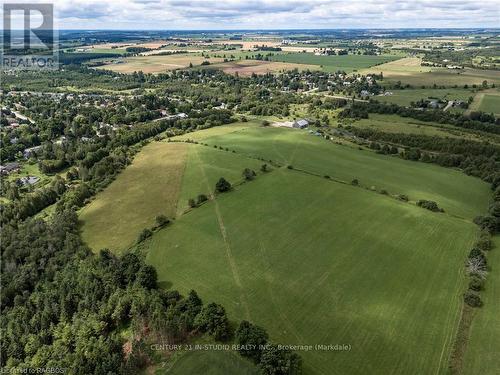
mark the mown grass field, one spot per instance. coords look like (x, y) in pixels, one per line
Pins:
(482, 350)
(319, 262)
(347, 63)
(409, 71)
(150, 186)
(211, 363)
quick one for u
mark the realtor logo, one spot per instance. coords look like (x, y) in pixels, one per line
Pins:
(29, 39)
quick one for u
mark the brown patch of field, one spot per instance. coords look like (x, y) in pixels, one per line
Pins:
(248, 67)
(150, 186)
(156, 63)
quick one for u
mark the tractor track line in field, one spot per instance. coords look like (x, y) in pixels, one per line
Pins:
(227, 246)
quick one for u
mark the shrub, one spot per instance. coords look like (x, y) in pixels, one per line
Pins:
(290, 166)
(248, 174)
(222, 185)
(403, 197)
(355, 182)
(162, 220)
(429, 205)
(472, 299)
(191, 203)
(476, 283)
(264, 168)
(145, 234)
(201, 198)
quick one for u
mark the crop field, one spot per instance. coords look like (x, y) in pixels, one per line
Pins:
(409, 71)
(249, 67)
(156, 63)
(149, 187)
(347, 63)
(405, 97)
(358, 276)
(482, 353)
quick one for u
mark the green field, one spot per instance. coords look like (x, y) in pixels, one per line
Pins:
(311, 259)
(482, 350)
(398, 124)
(205, 165)
(347, 63)
(490, 103)
(451, 189)
(211, 363)
(147, 188)
(405, 97)
(315, 261)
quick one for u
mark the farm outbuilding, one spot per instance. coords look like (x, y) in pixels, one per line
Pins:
(301, 124)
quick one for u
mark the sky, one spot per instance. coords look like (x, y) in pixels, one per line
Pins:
(272, 14)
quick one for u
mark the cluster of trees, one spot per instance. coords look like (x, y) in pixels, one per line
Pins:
(253, 342)
(429, 205)
(64, 306)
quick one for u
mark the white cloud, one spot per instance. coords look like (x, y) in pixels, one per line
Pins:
(274, 14)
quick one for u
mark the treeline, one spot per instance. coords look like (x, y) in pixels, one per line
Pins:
(64, 307)
(475, 120)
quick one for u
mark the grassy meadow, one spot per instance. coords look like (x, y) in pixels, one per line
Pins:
(149, 187)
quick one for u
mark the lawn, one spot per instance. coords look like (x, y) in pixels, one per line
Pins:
(150, 186)
(211, 363)
(320, 262)
(450, 188)
(482, 350)
(347, 63)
